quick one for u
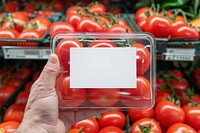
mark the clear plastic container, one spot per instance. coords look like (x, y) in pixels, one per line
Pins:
(105, 70)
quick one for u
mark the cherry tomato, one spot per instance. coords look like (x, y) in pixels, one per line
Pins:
(89, 125)
(88, 25)
(58, 6)
(122, 21)
(159, 26)
(74, 19)
(102, 43)
(143, 58)
(118, 28)
(63, 51)
(97, 8)
(104, 97)
(115, 118)
(41, 24)
(162, 95)
(28, 34)
(16, 21)
(9, 126)
(11, 6)
(15, 112)
(28, 86)
(192, 116)
(136, 114)
(179, 85)
(179, 20)
(176, 73)
(45, 13)
(166, 14)
(69, 97)
(8, 33)
(30, 7)
(74, 10)
(141, 24)
(160, 83)
(184, 31)
(187, 98)
(145, 124)
(111, 129)
(6, 92)
(61, 26)
(141, 14)
(180, 128)
(15, 82)
(74, 130)
(137, 97)
(22, 97)
(168, 113)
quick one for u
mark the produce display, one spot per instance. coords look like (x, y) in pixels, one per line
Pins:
(172, 106)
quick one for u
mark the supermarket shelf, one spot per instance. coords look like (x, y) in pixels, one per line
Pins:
(14, 52)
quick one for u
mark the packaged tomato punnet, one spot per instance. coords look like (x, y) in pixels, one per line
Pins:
(105, 70)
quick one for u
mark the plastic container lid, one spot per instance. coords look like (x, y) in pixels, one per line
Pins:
(105, 70)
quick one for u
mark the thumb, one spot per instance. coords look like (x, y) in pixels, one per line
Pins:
(50, 71)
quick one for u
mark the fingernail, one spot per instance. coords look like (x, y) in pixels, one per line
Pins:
(53, 59)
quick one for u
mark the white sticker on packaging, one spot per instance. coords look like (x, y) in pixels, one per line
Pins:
(103, 68)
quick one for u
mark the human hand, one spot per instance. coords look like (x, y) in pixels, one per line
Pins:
(42, 113)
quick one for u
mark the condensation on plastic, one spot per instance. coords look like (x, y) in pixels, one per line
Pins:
(142, 97)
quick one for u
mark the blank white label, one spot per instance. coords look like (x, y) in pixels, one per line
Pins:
(102, 67)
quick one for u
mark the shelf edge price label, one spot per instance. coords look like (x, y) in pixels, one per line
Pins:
(180, 54)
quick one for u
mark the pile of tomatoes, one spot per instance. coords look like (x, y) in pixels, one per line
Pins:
(91, 18)
(166, 24)
(18, 25)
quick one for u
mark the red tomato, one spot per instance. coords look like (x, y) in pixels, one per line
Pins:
(60, 27)
(115, 118)
(184, 31)
(15, 82)
(168, 113)
(180, 128)
(22, 97)
(176, 73)
(104, 97)
(11, 6)
(28, 86)
(141, 24)
(58, 6)
(139, 96)
(74, 10)
(8, 33)
(192, 116)
(63, 51)
(6, 92)
(166, 14)
(102, 43)
(88, 25)
(186, 99)
(179, 85)
(97, 8)
(30, 7)
(118, 28)
(69, 97)
(122, 21)
(143, 58)
(161, 95)
(89, 125)
(111, 129)
(74, 130)
(142, 13)
(40, 24)
(15, 112)
(45, 13)
(159, 26)
(179, 20)
(146, 124)
(136, 114)
(16, 21)
(9, 126)
(28, 34)
(199, 131)
(74, 19)
(160, 83)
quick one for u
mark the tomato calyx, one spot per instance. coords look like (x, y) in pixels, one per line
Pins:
(145, 129)
(175, 101)
(33, 26)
